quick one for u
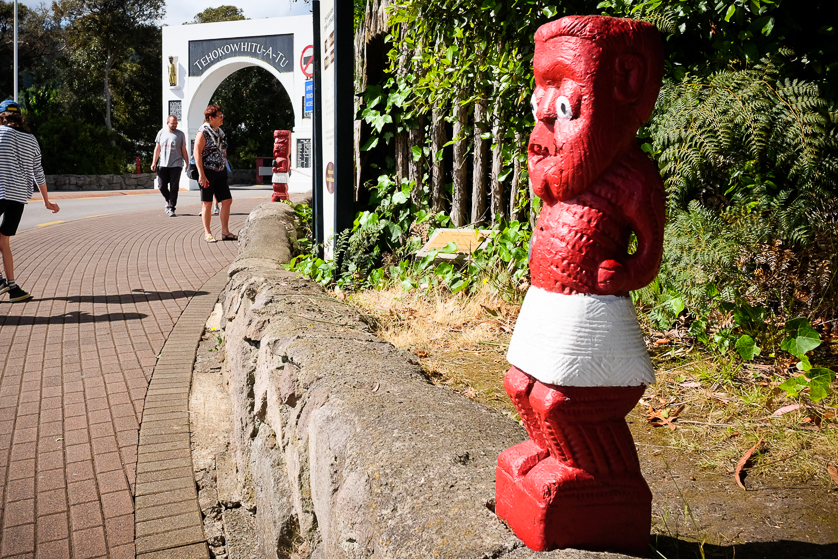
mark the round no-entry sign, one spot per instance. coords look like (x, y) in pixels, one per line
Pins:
(307, 61)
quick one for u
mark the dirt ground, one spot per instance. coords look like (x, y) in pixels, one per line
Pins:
(694, 509)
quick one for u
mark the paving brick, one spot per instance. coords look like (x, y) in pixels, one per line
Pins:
(79, 471)
(170, 539)
(20, 489)
(89, 543)
(118, 503)
(52, 479)
(59, 549)
(52, 527)
(82, 491)
(19, 539)
(19, 512)
(86, 515)
(194, 551)
(120, 530)
(51, 502)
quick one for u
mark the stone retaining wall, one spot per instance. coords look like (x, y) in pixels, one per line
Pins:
(339, 439)
(101, 182)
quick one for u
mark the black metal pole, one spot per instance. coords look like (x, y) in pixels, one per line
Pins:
(317, 134)
(344, 115)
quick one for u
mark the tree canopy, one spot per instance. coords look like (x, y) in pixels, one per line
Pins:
(221, 13)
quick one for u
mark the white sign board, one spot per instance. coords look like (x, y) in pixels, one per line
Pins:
(327, 123)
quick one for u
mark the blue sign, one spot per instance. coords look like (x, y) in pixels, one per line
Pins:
(309, 103)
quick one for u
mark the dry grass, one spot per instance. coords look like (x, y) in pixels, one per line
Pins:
(725, 408)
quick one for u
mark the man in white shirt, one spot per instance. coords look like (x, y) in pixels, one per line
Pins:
(171, 150)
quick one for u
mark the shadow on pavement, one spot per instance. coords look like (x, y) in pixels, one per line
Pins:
(137, 295)
(75, 317)
(674, 548)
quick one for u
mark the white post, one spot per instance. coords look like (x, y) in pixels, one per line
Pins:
(15, 55)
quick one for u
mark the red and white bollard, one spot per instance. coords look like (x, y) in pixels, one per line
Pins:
(579, 360)
(282, 164)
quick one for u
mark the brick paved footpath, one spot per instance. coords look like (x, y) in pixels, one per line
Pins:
(76, 362)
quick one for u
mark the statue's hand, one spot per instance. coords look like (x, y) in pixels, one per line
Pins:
(612, 277)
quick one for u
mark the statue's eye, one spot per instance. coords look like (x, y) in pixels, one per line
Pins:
(563, 109)
(534, 103)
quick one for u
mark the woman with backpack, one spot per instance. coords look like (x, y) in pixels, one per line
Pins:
(211, 160)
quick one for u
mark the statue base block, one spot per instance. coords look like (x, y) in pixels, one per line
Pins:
(280, 192)
(554, 506)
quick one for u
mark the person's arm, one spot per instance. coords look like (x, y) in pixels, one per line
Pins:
(47, 204)
(200, 144)
(155, 156)
(185, 154)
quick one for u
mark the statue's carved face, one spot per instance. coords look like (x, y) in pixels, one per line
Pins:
(282, 143)
(579, 129)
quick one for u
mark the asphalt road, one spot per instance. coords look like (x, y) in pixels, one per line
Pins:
(81, 205)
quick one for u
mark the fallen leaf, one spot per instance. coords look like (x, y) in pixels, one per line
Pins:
(833, 473)
(787, 409)
(741, 464)
(421, 353)
(490, 312)
(664, 417)
(663, 341)
(377, 386)
(690, 385)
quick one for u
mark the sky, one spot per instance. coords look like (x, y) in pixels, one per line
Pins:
(181, 11)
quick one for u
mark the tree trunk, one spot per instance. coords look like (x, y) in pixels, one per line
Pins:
(478, 182)
(402, 155)
(438, 167)
(460, 199)
(516, 180)
(108, 66)
(416, 168)
(498, 130)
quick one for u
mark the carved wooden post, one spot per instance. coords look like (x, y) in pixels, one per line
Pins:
(460, 197)
(579, 360)
(516, 180)
(282, 164)
(438, 166)
(480, 160)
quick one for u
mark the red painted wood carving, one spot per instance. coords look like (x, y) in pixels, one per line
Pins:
(579, 361)
(282, 164)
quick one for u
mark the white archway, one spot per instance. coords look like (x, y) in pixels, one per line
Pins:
(205, 55)
(201, 98)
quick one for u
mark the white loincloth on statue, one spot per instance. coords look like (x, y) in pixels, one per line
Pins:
(580, 340)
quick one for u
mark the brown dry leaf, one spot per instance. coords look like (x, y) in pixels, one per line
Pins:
(491, 312)
(741, 464)
(664, 416)
(663, 341)
(833, 473)
(420, 353)
(787, 409)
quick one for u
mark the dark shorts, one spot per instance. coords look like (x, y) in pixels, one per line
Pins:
(11, 212)
(218, 186)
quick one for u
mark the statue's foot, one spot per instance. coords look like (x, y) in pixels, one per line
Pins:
(521, 458)
(555, 506)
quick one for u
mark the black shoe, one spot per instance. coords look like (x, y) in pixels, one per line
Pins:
(16, 294)
(4, 286)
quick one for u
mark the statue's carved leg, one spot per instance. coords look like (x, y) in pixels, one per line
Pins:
(589, 493)
(280, 192)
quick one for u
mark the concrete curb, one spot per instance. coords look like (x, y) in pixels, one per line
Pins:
(167, 516)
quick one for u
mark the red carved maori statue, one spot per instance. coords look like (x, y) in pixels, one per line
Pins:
(579, 363)
(282, 164)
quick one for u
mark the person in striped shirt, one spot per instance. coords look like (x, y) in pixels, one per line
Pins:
(20, 169)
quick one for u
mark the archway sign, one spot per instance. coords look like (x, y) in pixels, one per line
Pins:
(197, 58)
